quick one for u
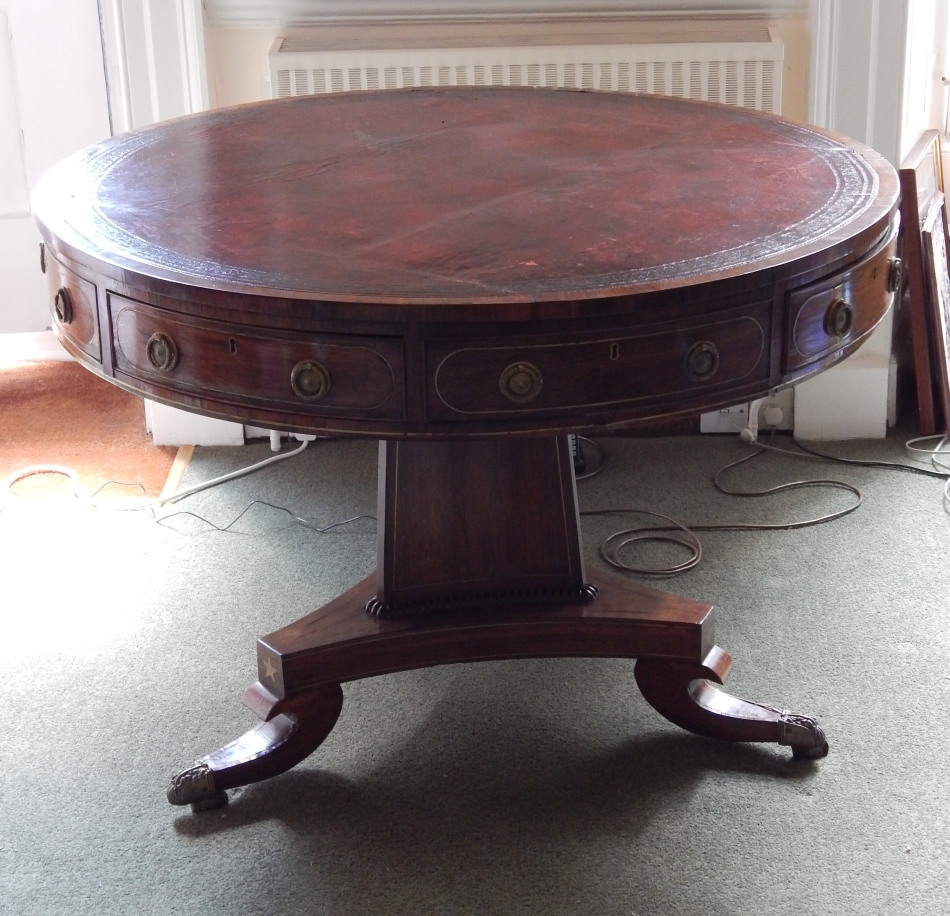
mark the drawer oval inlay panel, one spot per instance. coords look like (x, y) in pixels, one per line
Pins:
(256, 367)
(73, 307)
(822, 317)
(602, 372)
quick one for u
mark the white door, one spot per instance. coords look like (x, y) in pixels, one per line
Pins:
(55, 99)
(52, 103)
(154, 55)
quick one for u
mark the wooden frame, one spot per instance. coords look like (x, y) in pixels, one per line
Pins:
(934, 242)
(921, 177)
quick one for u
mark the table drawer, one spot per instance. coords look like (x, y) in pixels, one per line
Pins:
(74, 307)
(823, 317)
(325, 374)
(600, 373)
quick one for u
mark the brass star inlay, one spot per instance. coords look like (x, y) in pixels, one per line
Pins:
(270, 671)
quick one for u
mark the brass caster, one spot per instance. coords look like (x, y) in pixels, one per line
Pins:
(195, 786)
(805, 737)
(810, 753)
(210, 802)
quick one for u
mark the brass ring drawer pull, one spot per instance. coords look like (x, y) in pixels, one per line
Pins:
(310, 380)
(520, 382)
(839, 318)
(895, 275)
(162, 352)
(63, 306)
(702, 361)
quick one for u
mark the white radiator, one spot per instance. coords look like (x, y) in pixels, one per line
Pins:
(737, 64)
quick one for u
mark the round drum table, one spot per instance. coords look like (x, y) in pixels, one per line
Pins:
(468, 275)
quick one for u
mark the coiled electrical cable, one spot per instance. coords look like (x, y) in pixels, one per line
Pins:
(681, 534)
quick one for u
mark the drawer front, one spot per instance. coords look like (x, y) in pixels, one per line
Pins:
(74, 307)
(602, 373)
(831, 314)
(325, 375)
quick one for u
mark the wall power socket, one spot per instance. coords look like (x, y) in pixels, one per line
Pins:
(777, 411)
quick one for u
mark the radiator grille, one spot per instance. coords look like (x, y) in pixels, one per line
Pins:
(747, 73)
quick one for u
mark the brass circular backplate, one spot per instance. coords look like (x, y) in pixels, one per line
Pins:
(162, 352)
(838, 318)
(520, 382)
(63, 306)
(702, 361)
(310, 380)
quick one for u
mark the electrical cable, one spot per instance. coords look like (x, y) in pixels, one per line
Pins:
(233, 475)
(674, 532)
(940, 449)
(36, 469)
(943, 441)
(601, 457)
(807, 451)
(942, 471)
(159, 502)
(147, 504)
(681, 534)
(260, 502)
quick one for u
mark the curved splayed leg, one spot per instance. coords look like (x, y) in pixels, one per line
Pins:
(297, 727)
(689, 694)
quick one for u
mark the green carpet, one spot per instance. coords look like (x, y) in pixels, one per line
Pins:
(540, 787)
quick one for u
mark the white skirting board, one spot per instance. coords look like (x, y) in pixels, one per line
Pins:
(171, 426)
(30, 347)
(850, 401)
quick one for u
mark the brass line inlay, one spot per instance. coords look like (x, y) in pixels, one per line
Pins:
(524, 351)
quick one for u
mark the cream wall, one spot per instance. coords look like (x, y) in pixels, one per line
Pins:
(237, 63)
(795, 33)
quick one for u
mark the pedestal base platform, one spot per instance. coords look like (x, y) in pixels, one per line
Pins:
(679, 670)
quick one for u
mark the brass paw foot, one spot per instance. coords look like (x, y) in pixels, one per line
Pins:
(195, 786)
(804, 735)
(690, 695)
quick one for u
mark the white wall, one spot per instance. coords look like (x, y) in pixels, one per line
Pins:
(923, 96)
(52, 103)
(861, 69)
